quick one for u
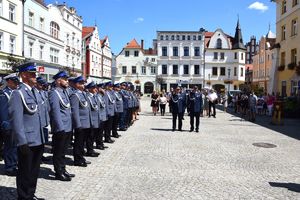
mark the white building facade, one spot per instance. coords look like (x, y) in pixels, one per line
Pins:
(106, 59)
(11, 33)
(180, 58)
(138, 66)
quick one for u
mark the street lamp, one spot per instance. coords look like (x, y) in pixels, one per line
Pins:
(228, 79)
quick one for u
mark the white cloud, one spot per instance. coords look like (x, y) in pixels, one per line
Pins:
(258, 6)
(138, 20)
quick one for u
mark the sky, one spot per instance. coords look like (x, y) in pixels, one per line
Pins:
(123, 20)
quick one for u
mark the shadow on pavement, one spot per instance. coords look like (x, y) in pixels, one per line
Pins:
(290, 128)
(46, 173)
(290, 186)
(8, 193)
(161, 129)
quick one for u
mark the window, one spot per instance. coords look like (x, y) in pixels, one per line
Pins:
(215, 71)
(283, 88)
(215, 55)
(164, 69)
(177, 37)
(1, 41)
(133, 69)
(161, 37)
(167, 37)
(283, 7)
(124, 70)
(199, 37)
(235, 55)
(295, 2)
(283, 32)
(136, 53)
(172, 37)
(12, 44)
(282, 59)
(197, 51)
(152, 59)
(30, 49)
(42, 24)
(196, 69)
(242, 72)
(54, 55)
(143, 70)
(153, 70)
(126, 53)
(31, 19)
(1, 8)
(194, 37)
(235, 71)
(242, 56)
(294, 87)
(219, 43)
(164, 51)
(222, 72)
(12, 12)
(54, 30)
(294, 27)
(175, 51)
(183, 37)
(294, 56)
(186, 51)
(222, 56)
(185, 69)
(68, 39)
(188, 37)
(175, 69)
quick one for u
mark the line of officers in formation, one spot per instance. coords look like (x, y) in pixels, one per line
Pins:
(90, 113)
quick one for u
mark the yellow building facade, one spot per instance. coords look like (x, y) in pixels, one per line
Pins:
(288, 38)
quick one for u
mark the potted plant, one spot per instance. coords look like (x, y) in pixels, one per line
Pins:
(208, 82)
(292, 66)
(137, 82)
(280, 67)
(228, 81)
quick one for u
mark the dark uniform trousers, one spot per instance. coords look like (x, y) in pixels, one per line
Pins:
(78, 150)
(28, 170)
(90, 140)
(9, 151)
(192, 116)
(108, 128)
(98, 137)
(129, 116)
(180, 116)
(123, 119)
(60, 142)
(115, 124)
(1, 144)
(211, 104)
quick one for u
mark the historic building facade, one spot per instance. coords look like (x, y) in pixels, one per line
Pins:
(224, 60)
(136, 65)
(180, 58)
(287, 51)
(11, 33)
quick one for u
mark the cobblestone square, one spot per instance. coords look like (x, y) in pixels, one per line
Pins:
(151, 162)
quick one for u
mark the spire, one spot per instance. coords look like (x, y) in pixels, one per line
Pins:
(238, 38)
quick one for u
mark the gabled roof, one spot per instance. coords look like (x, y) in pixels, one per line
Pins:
(87, 30)
(133, 44)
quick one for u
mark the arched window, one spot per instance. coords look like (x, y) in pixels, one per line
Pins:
(54, 29)
(219, 43)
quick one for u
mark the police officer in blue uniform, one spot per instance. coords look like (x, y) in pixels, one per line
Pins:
(123, 115)
(61, 124)
(110, 109)
(130, 104)
(102, 117)
(177, 102)
(27, 130)
(81, 117)
(10, 148)
(93, 104)
(119, 110)
(194, 107)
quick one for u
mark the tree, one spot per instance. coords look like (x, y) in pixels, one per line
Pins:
(13, 63)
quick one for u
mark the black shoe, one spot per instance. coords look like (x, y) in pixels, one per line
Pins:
(197, 131)
(62, 177)
(179, 129)
(122, 129)
(68, 174)
(92, 154)
(173, 129)
(36, 198)
(46, 159)
(87, 162)
(109, 141)
(191, 130)
(12, 172)
(100, 147)
(82, 164)
(116, 136)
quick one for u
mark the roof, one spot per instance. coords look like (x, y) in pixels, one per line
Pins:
(208, 36)
(133, 44)
(87, 30)
(150, 51)
(271, 35)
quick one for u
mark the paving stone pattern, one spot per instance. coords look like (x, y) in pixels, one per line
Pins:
(151, 162)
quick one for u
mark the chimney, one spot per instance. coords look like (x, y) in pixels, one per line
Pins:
(142, 44)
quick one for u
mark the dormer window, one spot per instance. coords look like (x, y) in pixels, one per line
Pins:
(219, 43)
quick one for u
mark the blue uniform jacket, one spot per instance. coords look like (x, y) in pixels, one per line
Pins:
(125, 98)
(130, 100)
(195, 102)
(4, 99)
(93, 103)
(177, 102)
(119, 102)
(80, 110)
(110, 101)
(43, 105)
(24, 117)
(102, 108)
(60, 111)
